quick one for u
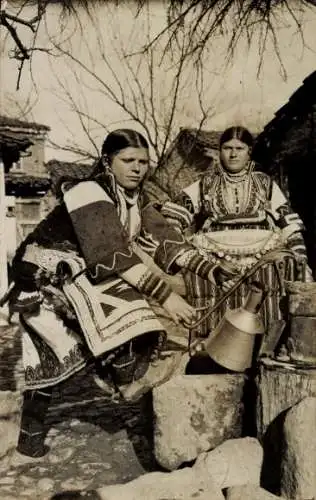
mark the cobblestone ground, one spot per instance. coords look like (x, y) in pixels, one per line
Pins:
(92, 441)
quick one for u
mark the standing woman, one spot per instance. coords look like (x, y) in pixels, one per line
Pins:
(81, 289)
(236, 215)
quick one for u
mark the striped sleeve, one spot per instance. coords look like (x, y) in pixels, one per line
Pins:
(194, 262)
(180, 212)
(178, 216)
(166, 244)
(288, 221)
(147, 283)
(297, 244)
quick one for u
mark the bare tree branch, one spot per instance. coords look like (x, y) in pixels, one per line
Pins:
(130, 80)
(131, 83)
(201, 19)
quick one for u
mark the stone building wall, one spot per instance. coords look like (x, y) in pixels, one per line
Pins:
(35, 163)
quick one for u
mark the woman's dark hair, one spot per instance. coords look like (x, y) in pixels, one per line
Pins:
(114, 142)
(237, 132)
(120, 139)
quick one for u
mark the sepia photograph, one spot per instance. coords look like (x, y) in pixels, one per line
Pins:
(158, 250)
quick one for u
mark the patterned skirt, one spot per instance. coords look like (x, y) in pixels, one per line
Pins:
(108, 316)
(81, 322)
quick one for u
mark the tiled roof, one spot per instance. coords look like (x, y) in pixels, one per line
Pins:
(62, 169)
(11, 145)
(8, 122)
(190, 141)
(14, 140)
(25, 185)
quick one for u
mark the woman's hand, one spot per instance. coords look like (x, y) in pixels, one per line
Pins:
(179, 309)
(225, 272)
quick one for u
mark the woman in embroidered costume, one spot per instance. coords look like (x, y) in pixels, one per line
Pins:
(237, 214)
(79, 285)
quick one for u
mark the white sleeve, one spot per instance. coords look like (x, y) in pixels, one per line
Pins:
(277, 198)
(193, 191)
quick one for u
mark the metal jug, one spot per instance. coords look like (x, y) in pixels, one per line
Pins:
(232, 342)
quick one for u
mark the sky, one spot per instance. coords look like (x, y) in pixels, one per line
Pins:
(234, 93)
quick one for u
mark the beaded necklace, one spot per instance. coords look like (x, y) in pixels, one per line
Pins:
(235, 190)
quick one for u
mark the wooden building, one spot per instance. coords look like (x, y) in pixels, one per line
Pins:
(286, 149)
(26, 177)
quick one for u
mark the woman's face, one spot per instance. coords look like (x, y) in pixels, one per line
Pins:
(130, 166)
(234, 155)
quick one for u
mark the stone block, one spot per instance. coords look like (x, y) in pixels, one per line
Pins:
(302, 341)
(250, 492)
(302, 298)
(235, 462)
(181, 484)
(298, 468)
(195, 413)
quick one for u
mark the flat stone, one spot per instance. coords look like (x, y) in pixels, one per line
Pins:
(10, 403)
(25, 480)
(195, 413)
(235, 462)
(60, 455)
(298, 476)
(249, 492)
(74, 484)
(9, 432)
(7, 480)
(182, 484)
(45, 484)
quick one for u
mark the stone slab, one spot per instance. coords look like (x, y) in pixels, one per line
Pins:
(234, 463)
(298, 470)
(181, 484)
(250, 492)
(195, 413)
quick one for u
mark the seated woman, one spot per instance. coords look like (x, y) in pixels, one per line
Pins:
(79, 285)
(236, 215)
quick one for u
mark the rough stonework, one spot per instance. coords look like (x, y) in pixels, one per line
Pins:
(235, 462)
(250, 492)
(195, 413)
(298, 471)
(302, 343)
(302, 298)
